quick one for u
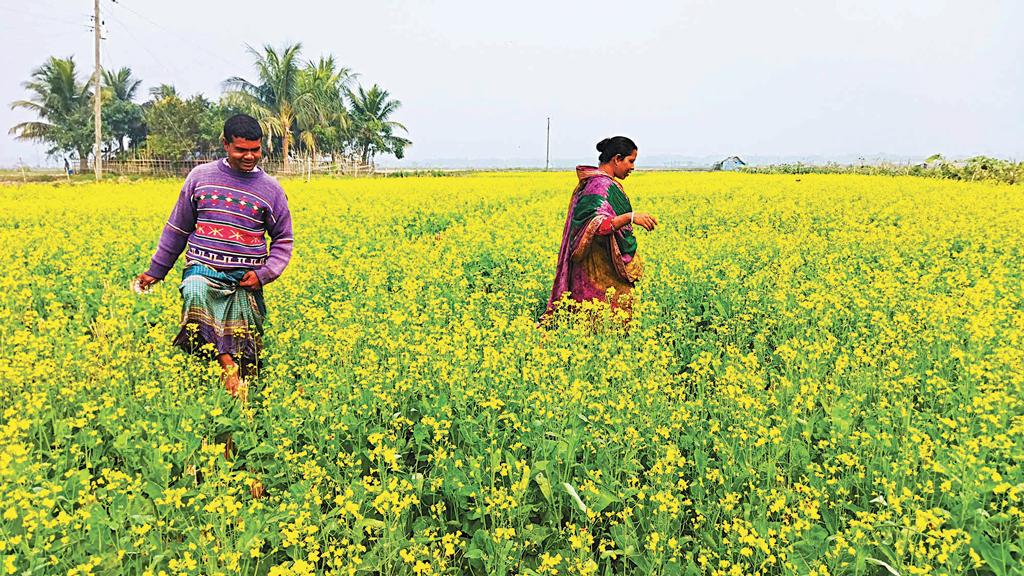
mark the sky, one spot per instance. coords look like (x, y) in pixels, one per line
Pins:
(477, 80)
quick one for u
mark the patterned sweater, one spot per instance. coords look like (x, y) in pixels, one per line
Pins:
(222, 216)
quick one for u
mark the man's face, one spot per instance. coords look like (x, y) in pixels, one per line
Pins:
(243, 154)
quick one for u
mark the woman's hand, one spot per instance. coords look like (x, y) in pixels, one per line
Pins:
(644, 220)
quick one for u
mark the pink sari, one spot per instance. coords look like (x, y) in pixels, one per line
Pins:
(590, 260)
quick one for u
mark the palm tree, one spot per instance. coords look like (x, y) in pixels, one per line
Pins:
(122, 116)
(329, 83)
(279, 99)
(372, 129)
(164, 91)
(120, 85)
(63, 105)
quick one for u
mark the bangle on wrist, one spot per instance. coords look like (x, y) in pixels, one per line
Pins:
(631, 214)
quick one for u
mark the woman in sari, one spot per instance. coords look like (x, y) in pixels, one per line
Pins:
(598, 251)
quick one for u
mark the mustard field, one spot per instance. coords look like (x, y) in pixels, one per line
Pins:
(824, 375)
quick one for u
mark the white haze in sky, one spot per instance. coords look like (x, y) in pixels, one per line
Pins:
(799, 78)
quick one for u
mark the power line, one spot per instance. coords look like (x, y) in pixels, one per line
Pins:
(47, 17)
(14, 31)
(169, 70)
(184, 41)
(50, 4)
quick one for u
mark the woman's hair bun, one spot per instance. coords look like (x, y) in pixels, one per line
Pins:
(615, 146)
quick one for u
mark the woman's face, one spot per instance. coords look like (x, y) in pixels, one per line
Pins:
(622, 167)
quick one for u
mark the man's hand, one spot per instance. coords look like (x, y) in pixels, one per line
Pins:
(644, 220)
(250, 281)
(145, 281)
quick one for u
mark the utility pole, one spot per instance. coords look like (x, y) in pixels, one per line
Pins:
(97, 152)
(547, 153)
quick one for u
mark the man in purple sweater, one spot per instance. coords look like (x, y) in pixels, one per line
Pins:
(224, 211)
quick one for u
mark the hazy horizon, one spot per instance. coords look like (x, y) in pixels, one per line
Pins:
(802, 79)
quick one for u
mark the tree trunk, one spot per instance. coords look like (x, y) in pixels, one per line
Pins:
(83, 162)
(286, 125)
(284, 149)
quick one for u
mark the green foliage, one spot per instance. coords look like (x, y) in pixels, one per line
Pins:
(301, 106)
(183, 128)
(122, 117)
(421, 173)
(306, 104)
(280, 99)
(373, 130)
(123, 120)
(328, 82)
(977, 168)
(120, 84)
(63, 104)
(164, 91)
(820, 377)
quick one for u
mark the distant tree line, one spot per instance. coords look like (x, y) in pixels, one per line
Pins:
(307, 108)
(935, 166)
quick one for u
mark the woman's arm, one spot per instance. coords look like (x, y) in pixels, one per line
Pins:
(642, 219)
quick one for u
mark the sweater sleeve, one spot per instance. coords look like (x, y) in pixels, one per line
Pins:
(179, 227)
(280, 230)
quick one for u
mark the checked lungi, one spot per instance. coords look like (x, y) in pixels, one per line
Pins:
(218, 316)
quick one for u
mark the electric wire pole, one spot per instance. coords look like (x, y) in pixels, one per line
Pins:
(547, 153)
(97, 123)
